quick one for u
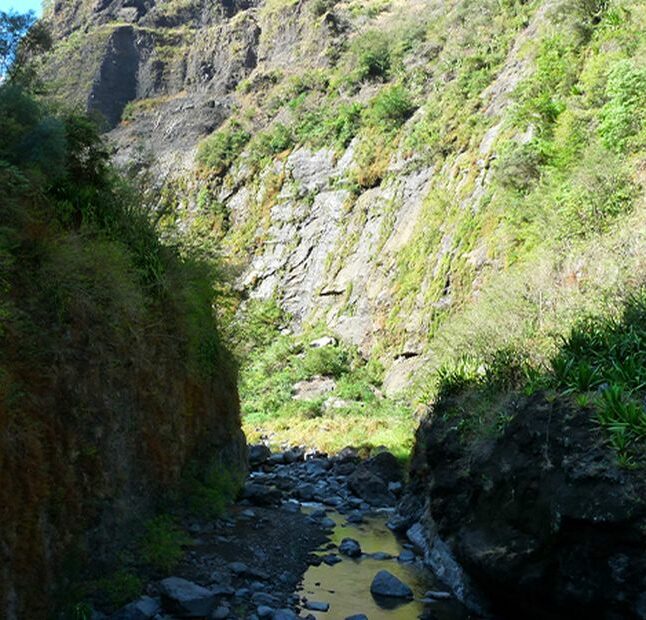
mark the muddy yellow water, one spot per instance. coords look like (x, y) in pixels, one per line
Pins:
(346, 585)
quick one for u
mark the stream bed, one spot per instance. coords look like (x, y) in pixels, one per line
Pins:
(346, 584)
(307, 540)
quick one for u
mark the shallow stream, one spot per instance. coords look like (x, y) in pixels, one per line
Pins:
(346, 585)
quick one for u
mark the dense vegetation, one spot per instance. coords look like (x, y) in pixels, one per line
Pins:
(107, 337)
(599, 366)
(528, 117)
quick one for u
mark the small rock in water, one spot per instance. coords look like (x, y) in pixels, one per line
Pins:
(220, 613)
(350, 547)
(381, 555)
(439, 596)
(386, 584)
(406, 556)
(317, 606)
(319, 513)
(292, 507)
(398, 523)
(327, 523)
(264, 612)
(357, 617)
(355, 517)
(332, 559)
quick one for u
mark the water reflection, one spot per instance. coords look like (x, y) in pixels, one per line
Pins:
(346, 585)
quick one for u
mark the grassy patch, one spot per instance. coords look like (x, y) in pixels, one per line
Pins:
(162, 544)
(600, 365)
(354, 412)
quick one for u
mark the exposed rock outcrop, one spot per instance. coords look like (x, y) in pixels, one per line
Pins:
(541, 517)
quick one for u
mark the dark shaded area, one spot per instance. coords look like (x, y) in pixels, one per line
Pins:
(540, 516)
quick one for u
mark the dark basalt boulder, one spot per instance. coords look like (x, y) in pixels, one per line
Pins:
(370, 479)
(542, 518)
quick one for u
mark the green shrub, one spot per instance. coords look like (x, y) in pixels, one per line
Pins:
(597, 193)
(211, 493)
(272, 142)
(541, 96)
(330, 125)
(373, 56)
(623, 117)
(162, 544)
(519, 166)
(120, 588)
(391, 108)
(220, 149)
(326, 361)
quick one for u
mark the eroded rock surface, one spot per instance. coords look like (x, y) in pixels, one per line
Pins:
(541, 517)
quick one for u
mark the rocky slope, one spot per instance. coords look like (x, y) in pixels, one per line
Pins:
(391, 169)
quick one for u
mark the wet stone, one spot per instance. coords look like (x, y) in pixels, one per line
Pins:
(406, 556)
(386, 584)
(350, 547)
(285, 614)
(264, 611)
(317, 606)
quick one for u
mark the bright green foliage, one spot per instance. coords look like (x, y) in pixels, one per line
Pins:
(623, 117)
(353, 413)
(330, 125)
(327, 361)
(162, 544)
(373, 56)
(601, 364)
(541, 98)
(274, 141)
(391, 108)
(220, 149)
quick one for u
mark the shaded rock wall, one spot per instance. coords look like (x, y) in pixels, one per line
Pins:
(540, 517)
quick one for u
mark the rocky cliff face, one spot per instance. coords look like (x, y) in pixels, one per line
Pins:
(102, 433)
(387, 214)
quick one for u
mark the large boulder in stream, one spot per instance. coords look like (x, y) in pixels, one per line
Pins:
(370, 479)
(541, 516)
(387, 585)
